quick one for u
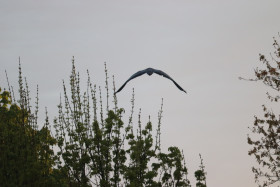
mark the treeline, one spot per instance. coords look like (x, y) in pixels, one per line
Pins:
(89, 145)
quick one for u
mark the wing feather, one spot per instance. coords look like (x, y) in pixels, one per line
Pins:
(137, 74)
(159, 72)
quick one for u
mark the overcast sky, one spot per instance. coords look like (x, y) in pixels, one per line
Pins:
(204, 45)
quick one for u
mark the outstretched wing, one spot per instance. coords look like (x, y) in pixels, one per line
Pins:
(137, 74)
(159, 72)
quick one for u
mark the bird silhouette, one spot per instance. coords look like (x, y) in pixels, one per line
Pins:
(150, 71)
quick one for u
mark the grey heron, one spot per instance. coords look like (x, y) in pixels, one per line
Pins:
(150, 71)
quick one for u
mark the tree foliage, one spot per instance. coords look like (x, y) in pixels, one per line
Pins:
(91, 146)
(200, 174)
(26, 154)
(265, 137)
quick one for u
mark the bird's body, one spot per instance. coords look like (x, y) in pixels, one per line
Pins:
(150, 71)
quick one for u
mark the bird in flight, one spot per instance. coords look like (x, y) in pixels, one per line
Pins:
(150, 71)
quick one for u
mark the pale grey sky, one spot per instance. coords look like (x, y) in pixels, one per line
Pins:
(204, 45)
